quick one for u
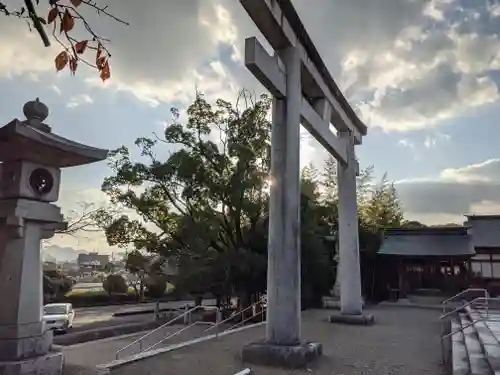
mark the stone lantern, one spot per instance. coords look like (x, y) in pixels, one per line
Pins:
(31, 159)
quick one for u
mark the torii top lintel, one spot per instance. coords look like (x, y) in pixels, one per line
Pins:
(281, 26)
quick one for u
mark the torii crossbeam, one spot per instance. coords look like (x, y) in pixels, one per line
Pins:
(303, 92)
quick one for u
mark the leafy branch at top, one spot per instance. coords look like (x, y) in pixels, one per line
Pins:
(63, 16)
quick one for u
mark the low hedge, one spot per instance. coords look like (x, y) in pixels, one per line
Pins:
(98, 299)
(101, 298)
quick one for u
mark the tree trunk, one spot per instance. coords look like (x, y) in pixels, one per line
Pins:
(141, 292)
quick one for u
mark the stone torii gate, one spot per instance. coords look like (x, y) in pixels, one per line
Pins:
(303, 92)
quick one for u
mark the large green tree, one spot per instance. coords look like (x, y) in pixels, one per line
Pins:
(203, 205)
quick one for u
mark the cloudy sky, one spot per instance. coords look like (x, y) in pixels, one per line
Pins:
(422, 74)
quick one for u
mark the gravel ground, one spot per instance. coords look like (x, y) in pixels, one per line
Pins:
(402, 342)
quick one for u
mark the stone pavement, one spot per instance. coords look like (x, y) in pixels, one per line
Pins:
(402, 342)
(86, 356)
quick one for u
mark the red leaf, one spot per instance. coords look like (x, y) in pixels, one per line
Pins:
(76, 2)
(99, 52)
(52, 15)
(100, 62)
(81, 46)
(105, 72)
(73, 64)
(61, 60)
(68, 22)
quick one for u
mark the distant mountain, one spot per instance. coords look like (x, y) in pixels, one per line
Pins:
(448, 225)
(61, 254)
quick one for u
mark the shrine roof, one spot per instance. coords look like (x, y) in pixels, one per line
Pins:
(427, 242)
(482, 217)
(298, 27)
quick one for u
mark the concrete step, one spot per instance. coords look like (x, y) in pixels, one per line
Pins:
(488, 334)
(490, 345)
(477, 361)
(459, 357)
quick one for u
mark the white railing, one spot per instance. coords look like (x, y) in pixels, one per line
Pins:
(479, 300)
(246, 371)
(484, 316)
(243, 320)
(461, 294)
(187, 320)
(175, 334)
(186, 314)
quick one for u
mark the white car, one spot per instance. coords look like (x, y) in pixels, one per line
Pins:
(58, 316)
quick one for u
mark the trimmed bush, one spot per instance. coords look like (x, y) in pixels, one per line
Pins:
(98, 299)
(156, 286)
(115, 284)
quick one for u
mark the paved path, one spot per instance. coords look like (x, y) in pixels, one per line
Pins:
(404, 341)
(93, 353)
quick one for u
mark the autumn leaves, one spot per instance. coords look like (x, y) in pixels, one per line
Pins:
(65, 16)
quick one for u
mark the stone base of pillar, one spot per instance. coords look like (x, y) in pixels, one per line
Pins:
(290, 357)
(334, 303)
(358, 319)
(16, 349)
(48, 364)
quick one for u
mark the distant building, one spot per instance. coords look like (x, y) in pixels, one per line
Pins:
(415, 259)
(68, 266)
(49, 266)
(446, 259)
(92, 262)
(485, 265)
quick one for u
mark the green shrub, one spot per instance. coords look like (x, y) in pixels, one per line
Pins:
(97, 299)
(115, 284)
(55, 284)
(156, 286)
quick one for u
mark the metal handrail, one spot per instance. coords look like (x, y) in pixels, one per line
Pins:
(175, 334)
(470, 303)
(486, 295)
(246, 371)
(462, 328)
(234, 315)
(210, 323)
(246, 320)
(481, 319)
(139, 340)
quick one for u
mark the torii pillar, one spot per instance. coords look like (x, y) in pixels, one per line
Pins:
(303, 92)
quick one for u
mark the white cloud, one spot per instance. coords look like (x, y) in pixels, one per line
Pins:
(453, 192)
(434, 69)
(406, 143)
(79, 100)
(412, 65)
(56, 89)
(487, 171)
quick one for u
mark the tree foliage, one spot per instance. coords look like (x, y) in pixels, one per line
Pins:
(55, 284)
(204, 205)
(115, 284)
(138, 265)
(206, 202)
(156, 285)
(61, 18)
